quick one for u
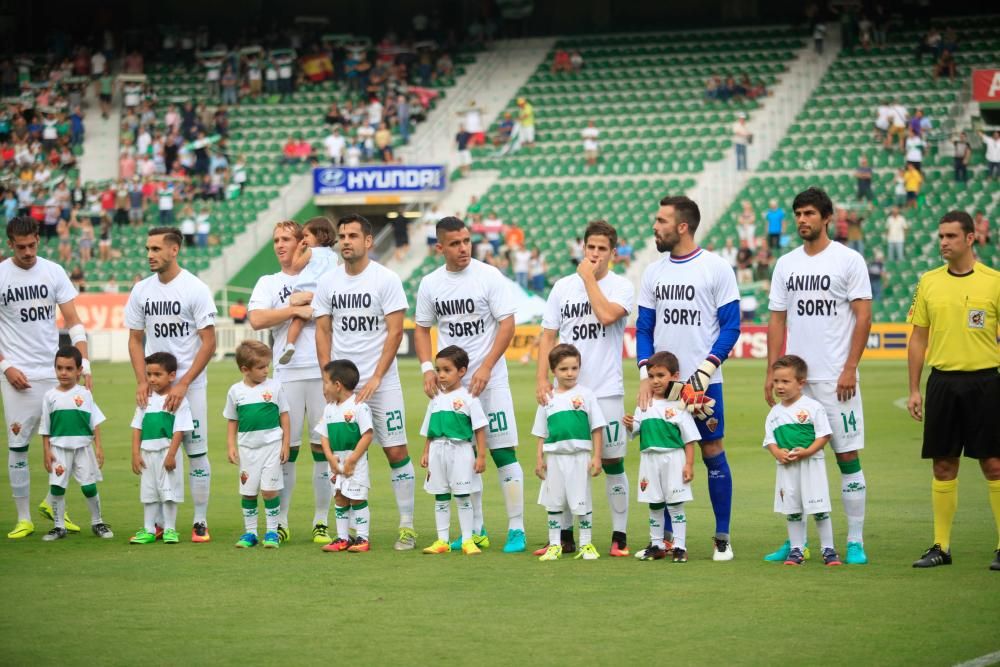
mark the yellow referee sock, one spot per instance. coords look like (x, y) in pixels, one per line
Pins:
(994, 491)
(944, 500)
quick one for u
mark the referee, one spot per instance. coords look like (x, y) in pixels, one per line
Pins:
(957, 306)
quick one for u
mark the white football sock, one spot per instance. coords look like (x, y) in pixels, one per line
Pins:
(465, 515)
(403, 481)
(442, 518)
(322, 492)
(796, 531)
(679, 521)
(288, 477)
(854, 493)
(201, 485)
(616, 487)
(511, 478)
(824, 525)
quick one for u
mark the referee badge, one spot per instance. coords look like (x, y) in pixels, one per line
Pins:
(977, 319)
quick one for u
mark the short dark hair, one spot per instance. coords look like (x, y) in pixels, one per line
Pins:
(814, 197)
(22, 225)
(448, 223)
(560, 352)
(685, 209)
(165, 359)
(70, 352)
(666, 360)
(322, 229)
(795, 362)
(455, 355)
(962, 218)
(601, 228)
(366, 227)
(171, 234)
(343, 371)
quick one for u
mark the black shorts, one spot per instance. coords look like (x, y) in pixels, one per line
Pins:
(962, 414)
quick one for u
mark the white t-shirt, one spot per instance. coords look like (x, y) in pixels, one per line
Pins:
(272, 291)
(898, 115)
(166, 200)
(353, 158)
(29, 299)
(70, 417)
(358, 306)
(797, 425)
(375, 113)
(343, 424)
(914, 149)
(158, 426)
(453, 418)
(668, 426)
(171, 315)
(992, 149)
(473, 121)
(816, 293)
(258, 411)
(467, 307)
(895, 228)
(687, 294)
(882, 116)
(203, 223)
(522, 260)
(741, 133)
(97, 63)
(334, 144)
(568, 311)
(590, 135)
(567, 422)
(188, 226)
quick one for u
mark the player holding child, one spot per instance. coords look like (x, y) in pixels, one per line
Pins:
(157, 434)
(346, 432)
(71, 438)
(316, 258)
(570, 433)
(796, 431)
(257, 439)
(667, 435)
(454, 419)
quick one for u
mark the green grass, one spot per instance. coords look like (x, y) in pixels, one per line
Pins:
(87, 601)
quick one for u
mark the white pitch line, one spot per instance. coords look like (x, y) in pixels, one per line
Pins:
(901, 403)
(982, 661)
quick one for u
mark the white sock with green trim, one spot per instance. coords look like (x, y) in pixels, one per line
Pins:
(404, 481)
(322, 492)
(656, 527)
(854, 493)
(824, 526)
(586, 528)
(796, 531)
(361, 520)
(616, 487)
(465, 515)
(679, 521)
(342, 515)
(288, 478)
(442, 518)
(201, 485)
(272, 510)
(512, 486)
(58, 504)
(476, 498)
(249, 515)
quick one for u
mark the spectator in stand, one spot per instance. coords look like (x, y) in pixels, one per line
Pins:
(775, 217)
(981, 225)
(472, 121)
(403, 117)
(914, 150)
(121, 203)
(729, 253)
(254, 77)
(165, 205)
(230, 86)
(188, 226)
(895, 234)
(203, 226)
(78, 279)
(520, 261)
(562, 62)
(746, 225)
(840, 224)
(462, 140)
(855, 235)
(135, 201)
(919, 124)
(741, 139)
(898, 118)
(352, 156)
(929, 44)
(526, 118)
(763, 263)
(504, 129)
(744, 264)
(899, 188)
(536, 271)
(882, 116)
(65, 242)
(876, 274)
(366, 138)
(992, 154)
(624, 253)
(383, 143)
(85, 243)
(106, 89)
(493, 230)
(962, 155)
(819, 36)
(270, 78)
(483, 250)
(576, 61)
(110, 286)
(863, 176)
(748, 307)
(429, 224)
(513, 237)
(239, 174)
(296, 151)
(238, 312)
(945, 65)
(913, 180)
(590, 146)
(76, 127)
(335, 146)
(104, 239)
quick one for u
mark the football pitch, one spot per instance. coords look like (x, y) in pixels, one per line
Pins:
(87, 601)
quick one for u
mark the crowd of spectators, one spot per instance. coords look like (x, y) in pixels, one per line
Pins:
(732, 89)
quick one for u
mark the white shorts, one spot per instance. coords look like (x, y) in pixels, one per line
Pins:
(451, 469)
(528, 134)
(22, 410)
(260, 469)
(847, 418)
(498, 404)
(801, 487)
(305, 401)
(567, 483)
(388, 417)
(156, 485)
(196, 442)
(79, 462)
(356, 486)
(465, 158)
(615, 438)
(661, 477)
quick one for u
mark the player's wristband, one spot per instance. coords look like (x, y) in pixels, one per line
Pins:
(4, 365)
(77, 334)
(643, 373)
(86, 366)
(426, 366)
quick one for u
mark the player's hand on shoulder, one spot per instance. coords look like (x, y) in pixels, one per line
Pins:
(142, 393)
(543, 392)
(645, 396)
(431, 386)
(174, 397)
(479, 380)
(368, 390)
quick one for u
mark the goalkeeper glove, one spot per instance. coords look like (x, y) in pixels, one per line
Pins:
(702, 376)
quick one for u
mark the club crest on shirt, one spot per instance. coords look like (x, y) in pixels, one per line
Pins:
(577, 402)
(266, 396)
(457, 404)
(802, 416)
(643, 483)
(348, 416)
(977, 319)
(669, 413)
(78, 399)
(244, 476)
(59, 470)
(711, 424)
(15, 428)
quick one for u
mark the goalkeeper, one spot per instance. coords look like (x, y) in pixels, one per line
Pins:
(689, 304)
